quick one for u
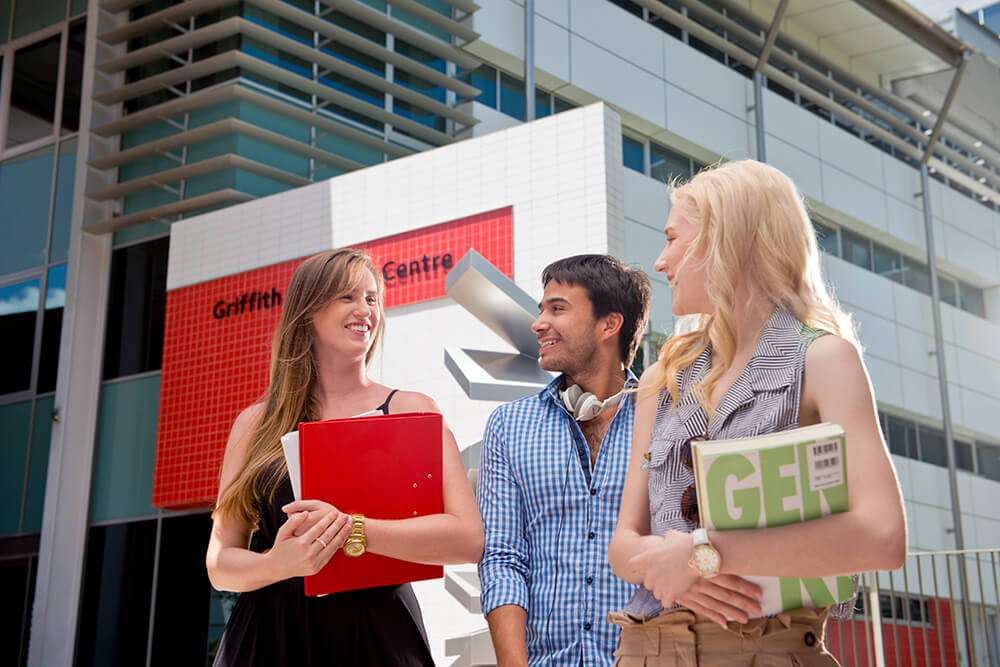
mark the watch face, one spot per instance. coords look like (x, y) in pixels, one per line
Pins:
(354, 548)
(706, 559)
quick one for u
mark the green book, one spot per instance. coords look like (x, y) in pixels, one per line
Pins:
(773, 480)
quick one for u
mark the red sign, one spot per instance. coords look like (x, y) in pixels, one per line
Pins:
(217, 343)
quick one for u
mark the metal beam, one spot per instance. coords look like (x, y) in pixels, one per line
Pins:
(772, 36)
(949, 97)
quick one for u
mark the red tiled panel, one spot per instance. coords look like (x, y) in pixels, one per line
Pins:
(214, 367)
(897, 639)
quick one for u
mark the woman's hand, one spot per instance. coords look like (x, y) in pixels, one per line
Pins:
(307, 541)
(663, 565)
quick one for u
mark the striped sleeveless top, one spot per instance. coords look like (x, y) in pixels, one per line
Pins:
(764, 399)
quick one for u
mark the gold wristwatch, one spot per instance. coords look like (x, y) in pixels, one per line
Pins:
(705, 559)
(356, 544)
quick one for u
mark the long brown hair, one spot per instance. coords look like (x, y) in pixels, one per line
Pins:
(290, 397)
(753, 226)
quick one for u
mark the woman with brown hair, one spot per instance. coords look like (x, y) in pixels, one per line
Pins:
(766, 349)
(331, 321)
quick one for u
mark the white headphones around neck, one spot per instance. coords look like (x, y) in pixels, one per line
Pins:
(584, 406)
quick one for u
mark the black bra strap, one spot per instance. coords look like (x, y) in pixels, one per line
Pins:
(384, 408)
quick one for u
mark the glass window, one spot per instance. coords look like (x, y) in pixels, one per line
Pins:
(543, 103)
(14, 421)
(632, 154)
(17, 590)
(484, 78)
(932, 446)
(37, 14)
(826, 238)
(117, 592)
(136, 307)
(38, 465)
(630, 7)
(18, 314)
(988, 458)
(902, 437)
(55, 299)
(62, 207)
(857, 249)
(991, 18)
(888, 263)
(562, 105)
(511, 96)
(181, 618)
(971, 299)
(963, 456)
(665, 165)
(916, 275)
(74, 77)
(5, 6)
(948, 290)
(33, 91)
(27, 180)
(126, 444)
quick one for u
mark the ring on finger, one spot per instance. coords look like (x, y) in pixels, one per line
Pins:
(321, 541)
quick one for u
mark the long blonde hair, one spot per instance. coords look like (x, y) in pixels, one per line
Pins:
(753, 228)
(290, 397)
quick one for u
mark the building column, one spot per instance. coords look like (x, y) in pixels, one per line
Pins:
(59, 581)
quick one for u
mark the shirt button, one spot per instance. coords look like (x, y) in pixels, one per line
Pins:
(593, 492)
(586, 626)
(590, 580)
(591, 535)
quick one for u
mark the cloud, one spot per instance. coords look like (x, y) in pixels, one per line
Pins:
(55, 297)
(20, 302)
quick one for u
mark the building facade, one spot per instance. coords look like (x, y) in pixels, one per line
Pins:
(156, 154)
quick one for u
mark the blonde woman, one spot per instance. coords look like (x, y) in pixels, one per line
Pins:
(331, 322)
(769, 350)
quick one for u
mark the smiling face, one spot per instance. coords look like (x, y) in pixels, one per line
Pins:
(567, 330)
(686, 273)
(349, 323)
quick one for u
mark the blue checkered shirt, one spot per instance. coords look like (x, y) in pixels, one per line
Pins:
(549, 519)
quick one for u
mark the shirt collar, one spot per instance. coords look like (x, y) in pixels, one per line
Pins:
(551, 390)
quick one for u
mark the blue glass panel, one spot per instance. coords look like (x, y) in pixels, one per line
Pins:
(52, 317)
(37, 14)
(485, 79)
(512, 96)
(632, 154)
(38, 465)
(265, 153)
(126, 444)
(25, 199)
(14, 420)
(18, 316)
(353, 151)
(991, 18)
(62, 208)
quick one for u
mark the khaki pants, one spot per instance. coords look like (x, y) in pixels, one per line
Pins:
(684, 639)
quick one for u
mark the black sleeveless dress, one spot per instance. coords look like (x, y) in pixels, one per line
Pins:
(278, 626)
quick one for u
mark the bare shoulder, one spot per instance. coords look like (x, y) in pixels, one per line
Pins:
(649, 376)
(412, 401)
(243, 426)
(832, 354)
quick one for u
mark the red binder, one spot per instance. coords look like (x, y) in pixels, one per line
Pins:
(385, 467)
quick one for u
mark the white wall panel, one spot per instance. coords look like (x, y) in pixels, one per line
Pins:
(556, 11)
(887, 380)
(630, 38)
(844, 190)
(646, 200)
(970, 253)
(501, 23)
(849, 154)
(604, 74)
(877, 334)
(981, 412)
(552, 48)
(856, 287)
(705, 78)
(803, 168)
(980, 374)
(920, 393)
(906, 222)
(706, 125)
(791, 123)
(900, 179)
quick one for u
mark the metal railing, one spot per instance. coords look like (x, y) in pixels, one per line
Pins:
(927, 614)
(924, 618)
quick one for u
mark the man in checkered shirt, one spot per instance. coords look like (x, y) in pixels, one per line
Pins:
(552, 471)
